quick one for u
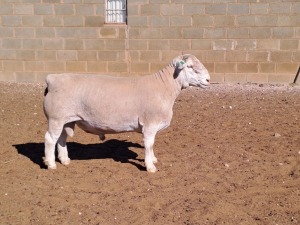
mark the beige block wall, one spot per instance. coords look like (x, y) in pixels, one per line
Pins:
(237, 40)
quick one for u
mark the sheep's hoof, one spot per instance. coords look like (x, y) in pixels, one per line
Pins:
(52, 167)
(151, 170)
(66, 161)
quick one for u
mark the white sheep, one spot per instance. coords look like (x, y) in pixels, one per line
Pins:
(105, 105)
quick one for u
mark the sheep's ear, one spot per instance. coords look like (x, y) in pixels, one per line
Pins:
(179, 64)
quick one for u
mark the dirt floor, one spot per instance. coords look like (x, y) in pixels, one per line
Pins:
(230, 156)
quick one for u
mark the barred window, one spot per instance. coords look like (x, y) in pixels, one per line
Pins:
(116, 11)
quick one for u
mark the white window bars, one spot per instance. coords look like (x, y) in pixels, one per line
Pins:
(116, 11)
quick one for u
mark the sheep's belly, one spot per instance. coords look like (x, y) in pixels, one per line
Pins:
(106, 129)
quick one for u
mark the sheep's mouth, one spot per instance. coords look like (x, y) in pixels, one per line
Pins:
(203, 85)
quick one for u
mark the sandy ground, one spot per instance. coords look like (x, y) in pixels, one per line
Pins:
(230, 156)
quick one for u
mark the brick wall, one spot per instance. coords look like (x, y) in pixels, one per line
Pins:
(237, 40)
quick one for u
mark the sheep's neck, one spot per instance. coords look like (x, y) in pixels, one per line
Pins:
(166, 76)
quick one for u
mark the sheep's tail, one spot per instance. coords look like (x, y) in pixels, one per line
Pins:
(49, 81)
(46, 91)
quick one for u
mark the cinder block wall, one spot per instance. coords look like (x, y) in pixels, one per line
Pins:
(237, 40)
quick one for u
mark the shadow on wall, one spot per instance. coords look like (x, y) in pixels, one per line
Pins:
(118, 150)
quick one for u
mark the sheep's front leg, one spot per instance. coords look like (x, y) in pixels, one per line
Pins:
(149, 155)
(154, 159)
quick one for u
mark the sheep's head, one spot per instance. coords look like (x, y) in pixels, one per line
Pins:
(190, 71)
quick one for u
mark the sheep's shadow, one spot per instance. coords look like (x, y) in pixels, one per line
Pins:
(118, 150)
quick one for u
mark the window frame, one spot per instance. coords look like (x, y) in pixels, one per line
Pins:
(125, 13)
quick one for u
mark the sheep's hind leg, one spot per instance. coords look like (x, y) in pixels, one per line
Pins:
(62, 145)
(51, 138)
